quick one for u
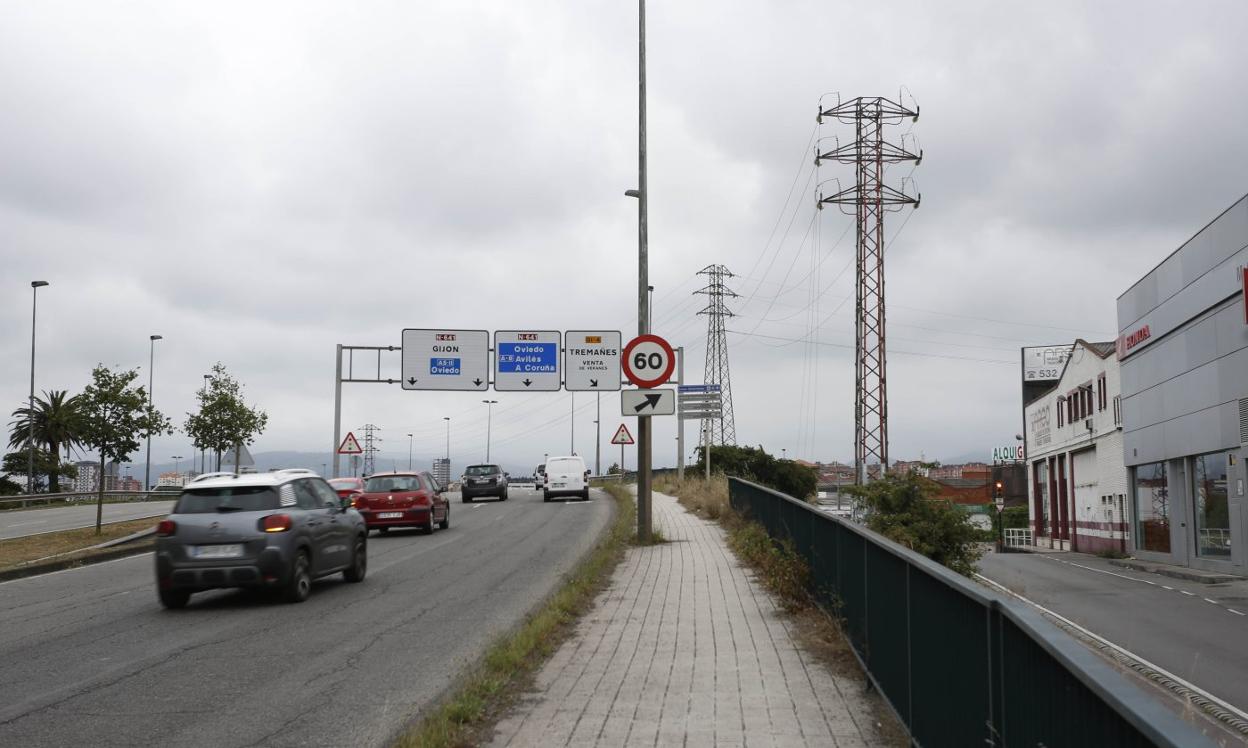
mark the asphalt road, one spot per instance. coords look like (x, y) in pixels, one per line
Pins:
(1199, 632)
(90, 658)
(15, 524)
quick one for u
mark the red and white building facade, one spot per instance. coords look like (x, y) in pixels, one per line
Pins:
(1077, 480)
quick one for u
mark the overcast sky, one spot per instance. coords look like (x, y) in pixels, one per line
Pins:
(257, 182)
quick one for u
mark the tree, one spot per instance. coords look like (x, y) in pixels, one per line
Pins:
(53, 423)
(224, 422)
(114, 416)
(18, 462)
(904, 509)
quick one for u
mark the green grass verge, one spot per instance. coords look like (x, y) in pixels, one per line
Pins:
(493, 685)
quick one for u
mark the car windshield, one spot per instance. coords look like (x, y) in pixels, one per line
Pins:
(481, 470)
(564, 466)
(392, 484)
(227, 499)
(344, 483)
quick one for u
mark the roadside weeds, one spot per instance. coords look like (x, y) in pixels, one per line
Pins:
(467, 715)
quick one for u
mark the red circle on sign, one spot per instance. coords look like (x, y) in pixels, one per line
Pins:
(639, 378)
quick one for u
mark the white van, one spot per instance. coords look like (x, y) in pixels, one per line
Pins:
(566, 476)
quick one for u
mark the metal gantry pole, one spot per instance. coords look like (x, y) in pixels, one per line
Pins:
(151, 400)
(598, 433)
(337, 405)
(643, 276)
(572, 431)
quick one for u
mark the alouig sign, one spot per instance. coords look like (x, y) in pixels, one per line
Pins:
(1013, 453)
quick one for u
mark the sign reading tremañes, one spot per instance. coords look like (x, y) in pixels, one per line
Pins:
(446, 360)
(1044, 363)
(591, 360)
(526, 360)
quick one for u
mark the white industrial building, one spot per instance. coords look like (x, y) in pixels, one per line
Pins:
(1076, 477)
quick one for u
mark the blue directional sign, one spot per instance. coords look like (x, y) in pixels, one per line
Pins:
(527, 360)
(701, 389)
(444, 367)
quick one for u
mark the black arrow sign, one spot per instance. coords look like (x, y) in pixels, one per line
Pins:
(526, 382)
(477, 381)
(593, 383)
(652, 401)
(411, 380)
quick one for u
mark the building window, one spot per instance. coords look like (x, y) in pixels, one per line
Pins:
(1213, 521)
(1152, 508)
(1041, 471)
(1117, 410)
(1061, 412)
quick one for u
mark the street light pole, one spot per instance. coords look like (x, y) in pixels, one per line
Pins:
(448, 443)
(410, 439)
(203, 450)
(30, 404)
(176, 463)
(489, 419)
(643, 275)
(151, 380)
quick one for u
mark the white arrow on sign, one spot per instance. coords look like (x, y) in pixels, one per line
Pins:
(661, 402)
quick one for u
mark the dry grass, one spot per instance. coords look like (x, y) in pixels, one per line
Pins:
(21, 551)
(467, 716)
(706, 499)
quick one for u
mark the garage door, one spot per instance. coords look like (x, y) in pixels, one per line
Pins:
(1087, 490)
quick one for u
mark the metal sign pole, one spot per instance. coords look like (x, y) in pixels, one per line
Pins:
(680, 422)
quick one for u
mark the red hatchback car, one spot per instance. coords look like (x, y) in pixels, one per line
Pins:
(401, 499)
(348, 488)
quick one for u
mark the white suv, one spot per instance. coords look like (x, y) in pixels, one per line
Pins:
(566, 476)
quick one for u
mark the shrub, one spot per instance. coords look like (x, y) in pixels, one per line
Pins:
(904, 510)
(756, 465)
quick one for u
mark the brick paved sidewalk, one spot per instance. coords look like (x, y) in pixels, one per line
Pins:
(685, 648)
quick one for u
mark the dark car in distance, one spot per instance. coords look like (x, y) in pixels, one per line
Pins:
(404, 499)
(277, 530)
(483, 480)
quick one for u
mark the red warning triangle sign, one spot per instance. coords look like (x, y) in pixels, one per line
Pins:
(350, 446)
(622, 436)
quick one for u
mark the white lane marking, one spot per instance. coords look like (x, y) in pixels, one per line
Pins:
(1189, 594)
(1128, 653)
(78, 568)
(1103, 571)
(1167, 587)
(479, 506)
(23, 524)
(1236, 612)
(1215, 602)
(1145, 581)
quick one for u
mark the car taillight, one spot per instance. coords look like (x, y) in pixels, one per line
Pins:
(276, 523)
(357, 499)
(166, 528)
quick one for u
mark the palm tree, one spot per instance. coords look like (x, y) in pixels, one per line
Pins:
(55, 424)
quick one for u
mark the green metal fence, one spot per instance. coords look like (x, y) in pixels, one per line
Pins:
(961, 665)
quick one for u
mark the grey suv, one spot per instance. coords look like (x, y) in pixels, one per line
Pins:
(483, 480)
(277, 530)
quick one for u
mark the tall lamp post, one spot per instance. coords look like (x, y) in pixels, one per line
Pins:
(177, 462)
(643, 274)
(30, 423)
(410, 439)
(151, 379)
(489, 420)
(203, 450)
(448, 443)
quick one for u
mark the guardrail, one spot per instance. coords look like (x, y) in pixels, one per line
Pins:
(77, 497)
(959, 664)
(1017, 537)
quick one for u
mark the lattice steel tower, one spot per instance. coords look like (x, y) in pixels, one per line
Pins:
(370, 448)
(717, 349)
(871, 198)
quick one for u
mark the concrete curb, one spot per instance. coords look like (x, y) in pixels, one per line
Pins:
(1190, 575)
(44, 567)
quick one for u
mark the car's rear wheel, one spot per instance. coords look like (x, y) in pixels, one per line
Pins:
(299, 585)
(585, 495)
(431, 525)
(545, 495)
(359, 562)
(445, 524)
(466, 499)
(503, 496)
(174, 599)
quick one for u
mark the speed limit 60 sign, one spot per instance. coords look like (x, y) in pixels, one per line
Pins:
(648, 361)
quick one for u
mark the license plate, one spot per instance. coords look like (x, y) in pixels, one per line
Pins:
(389, 515)
(232, 550)
(558, 485)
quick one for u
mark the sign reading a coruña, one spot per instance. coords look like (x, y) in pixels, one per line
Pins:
(526, 360)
